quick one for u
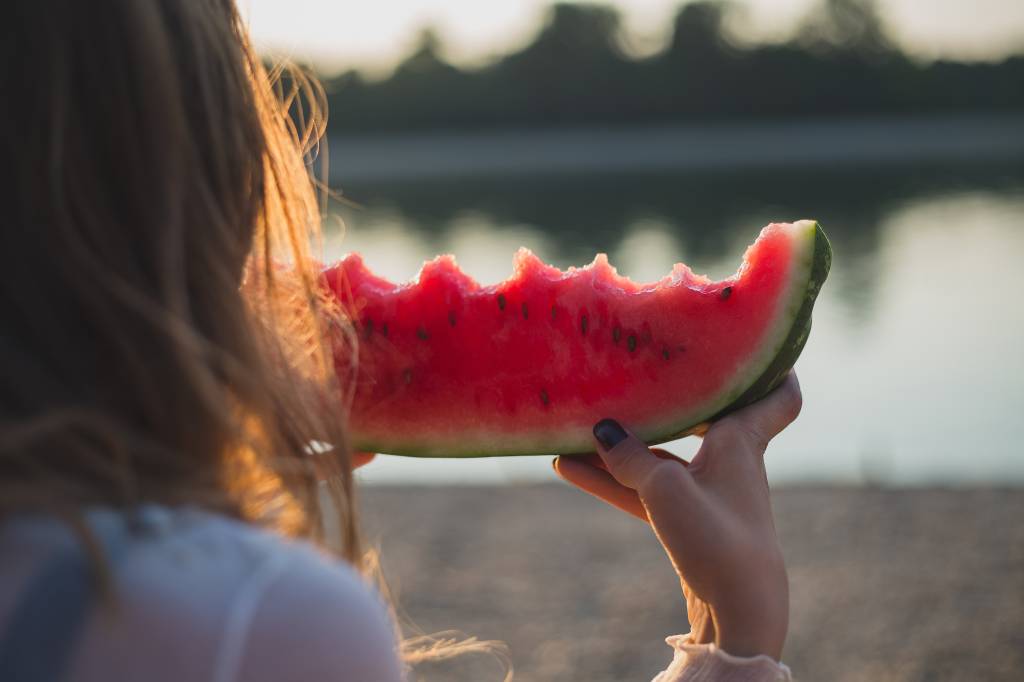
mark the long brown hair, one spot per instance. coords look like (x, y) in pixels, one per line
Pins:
(163, 335)
(165, 338)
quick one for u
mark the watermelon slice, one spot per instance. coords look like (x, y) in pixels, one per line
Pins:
(449, 368)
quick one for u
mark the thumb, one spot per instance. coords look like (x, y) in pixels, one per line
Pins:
(633, 464)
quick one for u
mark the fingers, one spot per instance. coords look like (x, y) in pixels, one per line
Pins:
(665, 454)
(777, 410)
(593, 459)
(362, 458)
(758, 423)
(598, 482)
(633, 465)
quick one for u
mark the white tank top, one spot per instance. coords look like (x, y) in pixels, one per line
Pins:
(199, 597)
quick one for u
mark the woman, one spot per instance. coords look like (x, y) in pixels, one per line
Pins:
(162, 376)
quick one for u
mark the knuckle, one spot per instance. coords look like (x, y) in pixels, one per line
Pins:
(737, 430)
(665, 479)
(628, 463)
(632, 464)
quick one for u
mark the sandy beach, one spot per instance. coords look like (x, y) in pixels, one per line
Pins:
(886, 584)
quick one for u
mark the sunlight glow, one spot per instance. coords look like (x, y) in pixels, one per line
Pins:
(373, 36)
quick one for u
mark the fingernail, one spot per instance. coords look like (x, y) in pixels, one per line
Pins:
(609, 433)
(554, 464)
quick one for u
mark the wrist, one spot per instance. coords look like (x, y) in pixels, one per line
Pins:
(754, 632)
(753, 624)
(749, 645)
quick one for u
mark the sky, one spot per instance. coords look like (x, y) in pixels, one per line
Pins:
(339, 34)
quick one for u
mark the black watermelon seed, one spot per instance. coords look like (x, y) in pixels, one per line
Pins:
(422, 333)
(501, 301)
(544, 396)
(584, 324)
(526, 311)
(407, 376)
(451, 317)
(616, 333)
(368, 329)
(631, 342)
(384, 330)
(665, 353)
(726, 293)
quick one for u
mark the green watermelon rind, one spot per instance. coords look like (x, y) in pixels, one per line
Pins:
(769, 367)
(787, 353)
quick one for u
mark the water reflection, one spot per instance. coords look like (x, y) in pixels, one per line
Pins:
(913, 373)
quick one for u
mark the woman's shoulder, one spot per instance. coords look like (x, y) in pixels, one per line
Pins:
(199, 596)
(280, 609)
(193, 544)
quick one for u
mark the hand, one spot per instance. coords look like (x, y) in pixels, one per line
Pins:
(361, 459)
(712, 516)
(324, 470)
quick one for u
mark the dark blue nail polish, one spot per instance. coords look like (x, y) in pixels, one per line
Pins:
(609, 433)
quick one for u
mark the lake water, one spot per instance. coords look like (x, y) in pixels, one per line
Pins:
(914, 372)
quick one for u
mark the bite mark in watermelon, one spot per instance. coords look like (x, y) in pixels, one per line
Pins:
(449, 368)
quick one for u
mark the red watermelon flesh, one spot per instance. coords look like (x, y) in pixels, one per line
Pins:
(447, 367)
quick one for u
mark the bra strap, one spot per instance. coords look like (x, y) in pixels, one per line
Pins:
(44, 626)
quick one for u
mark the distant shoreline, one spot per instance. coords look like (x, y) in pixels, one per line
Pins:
(677, 147)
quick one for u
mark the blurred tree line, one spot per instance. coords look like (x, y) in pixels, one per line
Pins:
(839, 62)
